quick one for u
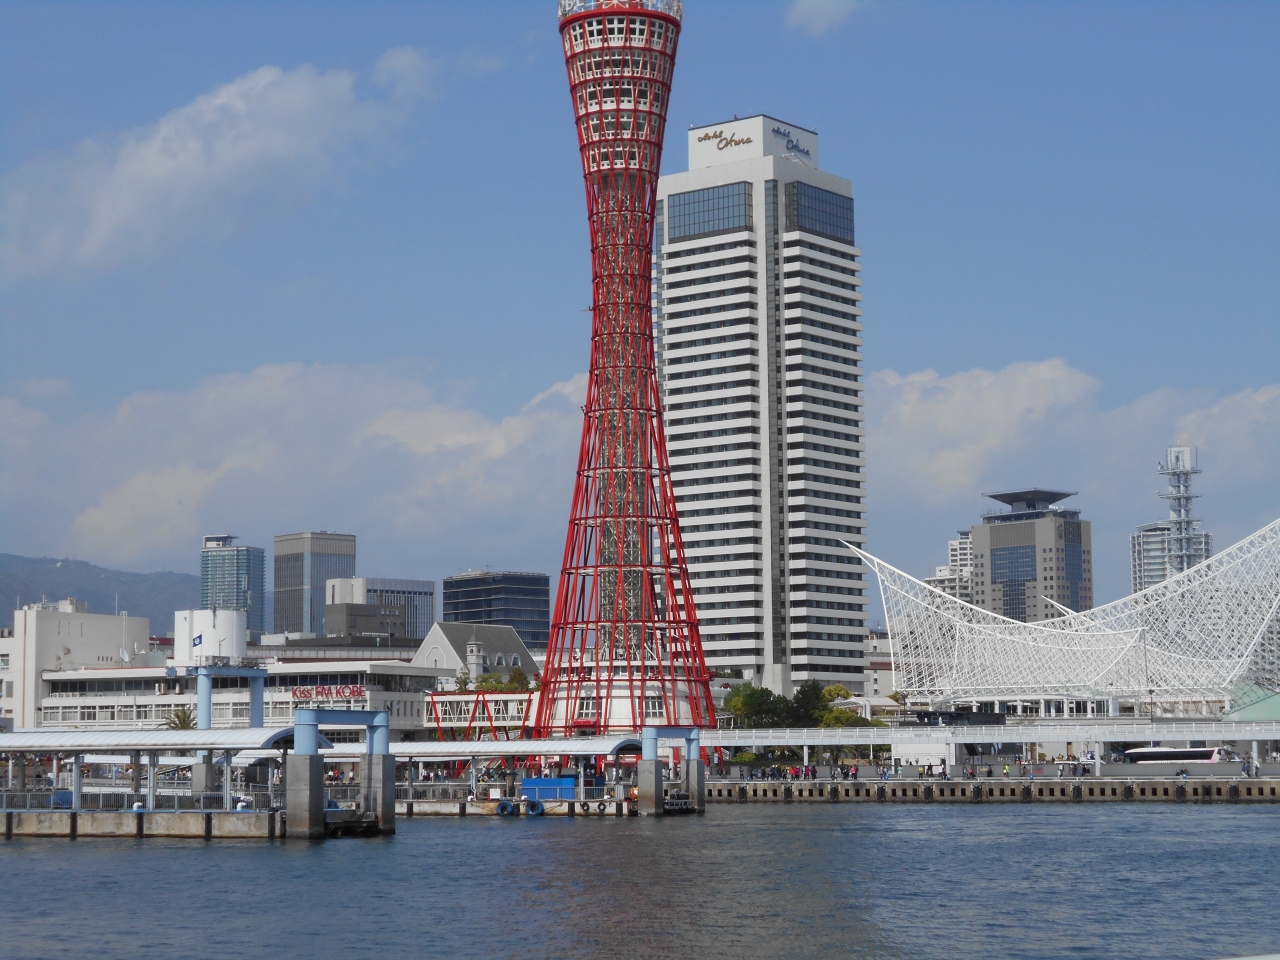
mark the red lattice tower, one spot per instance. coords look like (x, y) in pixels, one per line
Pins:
(624, 644)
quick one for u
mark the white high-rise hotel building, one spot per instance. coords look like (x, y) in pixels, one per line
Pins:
(759, 332)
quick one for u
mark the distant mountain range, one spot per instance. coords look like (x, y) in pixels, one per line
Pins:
(26, 580)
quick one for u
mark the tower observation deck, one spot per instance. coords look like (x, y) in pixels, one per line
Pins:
(624, 646)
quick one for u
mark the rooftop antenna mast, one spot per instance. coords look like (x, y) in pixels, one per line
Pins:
(1179, 466)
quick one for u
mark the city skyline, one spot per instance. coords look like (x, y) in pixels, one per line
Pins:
(1024, 298)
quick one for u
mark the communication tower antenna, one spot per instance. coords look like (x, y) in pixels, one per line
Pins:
(1181, 463)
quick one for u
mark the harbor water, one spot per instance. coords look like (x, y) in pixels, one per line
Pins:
(741, 881)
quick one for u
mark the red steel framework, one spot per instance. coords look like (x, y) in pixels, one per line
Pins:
(624, 646)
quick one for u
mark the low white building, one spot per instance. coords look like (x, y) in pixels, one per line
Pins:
(209, 633)
(89, 697)
(63, 636)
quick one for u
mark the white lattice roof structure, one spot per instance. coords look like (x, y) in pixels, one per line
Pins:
(1197, 635)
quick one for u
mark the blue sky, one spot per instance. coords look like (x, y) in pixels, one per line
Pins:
(266, 267)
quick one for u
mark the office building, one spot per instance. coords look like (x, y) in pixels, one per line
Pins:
(364, 621)
(759, 325)
(304, 563)
(518, 600)
(63, 636)
(1167, 547)
(953, 581)
(234, 578)
(417, 597)
(955, 578)
(1034, 560)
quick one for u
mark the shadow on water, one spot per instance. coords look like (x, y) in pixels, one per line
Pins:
(754, 881)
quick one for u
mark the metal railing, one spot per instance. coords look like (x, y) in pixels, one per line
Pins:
(128, 802)
(435, 791)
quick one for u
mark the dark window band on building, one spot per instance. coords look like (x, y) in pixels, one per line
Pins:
(814, 210)
(705, 213)
(518, 600)
(1014, 568)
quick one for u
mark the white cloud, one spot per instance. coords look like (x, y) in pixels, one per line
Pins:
(1244, 428)
(427, 486)
(406, 72)
(263, 142)
(432, 487)
(942, 432)
(818, 16)
(46, 388)
(936, 443)
(151, 510)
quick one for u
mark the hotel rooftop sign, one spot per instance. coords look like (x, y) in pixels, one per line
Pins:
(750, 138)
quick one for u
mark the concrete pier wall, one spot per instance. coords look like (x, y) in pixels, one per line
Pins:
(997, 790)
(188, 825)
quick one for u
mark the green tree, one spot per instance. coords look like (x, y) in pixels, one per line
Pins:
(464, 681)
(183, 718)
(807, 705)
(837, 691)
(755, 706)
(837, 717)
(518, 680)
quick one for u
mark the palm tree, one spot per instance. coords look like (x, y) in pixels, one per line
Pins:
(183, 718)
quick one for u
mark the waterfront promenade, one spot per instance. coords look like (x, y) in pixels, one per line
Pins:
(1261, 790)
(1102, 730)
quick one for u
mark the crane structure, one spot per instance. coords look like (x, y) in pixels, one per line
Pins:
(624, 649)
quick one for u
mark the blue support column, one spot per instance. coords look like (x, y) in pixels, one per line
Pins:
(693, 744)
(305, 791)
(380, 733)
(306, 732)
(256, 685)
(649, 743)
(204, 699)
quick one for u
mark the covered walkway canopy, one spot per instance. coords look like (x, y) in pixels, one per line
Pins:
(466, 749)
(161, 741)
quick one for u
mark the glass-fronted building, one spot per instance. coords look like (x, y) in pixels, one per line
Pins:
(234, 578)
(758, 325)
(1034, 560)
(304, 563)
(518, 600)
